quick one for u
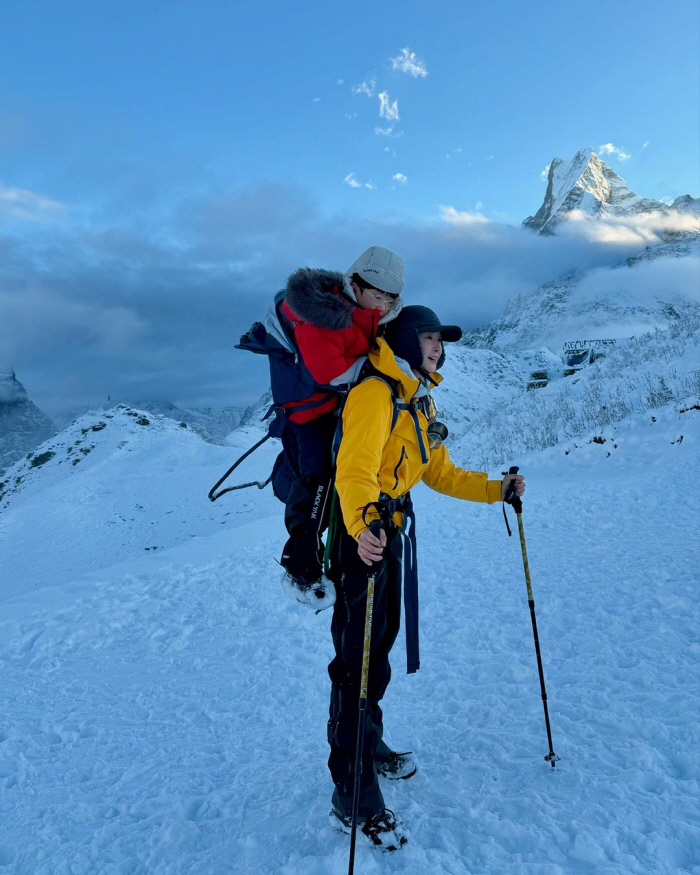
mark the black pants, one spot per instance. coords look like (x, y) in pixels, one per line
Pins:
(307, 449)
(347, 629)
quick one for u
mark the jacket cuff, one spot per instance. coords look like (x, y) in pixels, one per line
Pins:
(493, 491)
(356, 530)
(359, 526)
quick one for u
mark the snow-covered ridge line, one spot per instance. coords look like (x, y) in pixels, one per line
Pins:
(110, 431)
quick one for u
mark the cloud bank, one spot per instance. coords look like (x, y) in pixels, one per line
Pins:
(154, 310)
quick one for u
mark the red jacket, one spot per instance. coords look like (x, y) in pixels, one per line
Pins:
(329, 352)
(331, 332)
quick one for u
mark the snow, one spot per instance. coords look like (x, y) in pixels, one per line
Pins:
(165, 709)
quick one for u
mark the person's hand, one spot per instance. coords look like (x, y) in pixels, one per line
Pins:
(370, 546)
(518, 482)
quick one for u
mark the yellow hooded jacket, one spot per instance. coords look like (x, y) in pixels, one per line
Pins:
(375, 459)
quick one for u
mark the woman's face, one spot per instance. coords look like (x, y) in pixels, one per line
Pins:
(431, 345)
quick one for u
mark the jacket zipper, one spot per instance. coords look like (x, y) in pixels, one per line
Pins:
(398, 465)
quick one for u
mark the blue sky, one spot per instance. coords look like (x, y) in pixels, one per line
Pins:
(160, 159)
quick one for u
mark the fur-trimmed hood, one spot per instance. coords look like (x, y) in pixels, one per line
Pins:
(316, 297)
(324, 298)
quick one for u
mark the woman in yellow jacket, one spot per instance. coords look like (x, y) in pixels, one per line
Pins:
(385, 451)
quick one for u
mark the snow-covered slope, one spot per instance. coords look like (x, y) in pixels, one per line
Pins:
(475, 379)
(22, 424)
(116, 485)
(166, 715)
(588, 184)
(598, 405)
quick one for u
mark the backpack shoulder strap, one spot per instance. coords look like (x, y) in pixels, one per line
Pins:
(369, 372)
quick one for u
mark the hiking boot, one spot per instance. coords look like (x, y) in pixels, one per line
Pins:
(318, 594)
(383, 830)
(396, 766)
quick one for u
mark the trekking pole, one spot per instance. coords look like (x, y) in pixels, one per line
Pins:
(375, 527)
(514, 500)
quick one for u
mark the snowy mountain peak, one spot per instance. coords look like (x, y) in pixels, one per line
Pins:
(588, 184)
(687, 204)
(11, 389)
(22, 424)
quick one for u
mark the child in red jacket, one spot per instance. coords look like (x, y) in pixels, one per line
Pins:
(335, 318)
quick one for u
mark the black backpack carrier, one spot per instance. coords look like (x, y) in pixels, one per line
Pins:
(291, 380)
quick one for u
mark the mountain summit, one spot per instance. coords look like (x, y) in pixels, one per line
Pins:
(22, 424)
(588, 184)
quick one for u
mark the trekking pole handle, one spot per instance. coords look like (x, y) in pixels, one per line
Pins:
(375, 527)
(377, 524)
(510, 496)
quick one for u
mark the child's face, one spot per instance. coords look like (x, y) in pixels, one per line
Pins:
(374, 299)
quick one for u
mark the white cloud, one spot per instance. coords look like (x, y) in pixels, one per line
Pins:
(544, 176)
(480, 206)
(610, 149)
(407, 62)
(644, 285)
(387, 109)
(365, 88)
(20, 203)
(317, 99)
(354, 182)
(462, 218)
(350, 115)
(340, 81)
(647, 143)
(389, 131)
(399, 177)
(641, 229)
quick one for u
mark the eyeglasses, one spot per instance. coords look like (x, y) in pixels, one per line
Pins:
(382, 298)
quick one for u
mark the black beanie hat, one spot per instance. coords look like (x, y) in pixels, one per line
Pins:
(403, 333)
